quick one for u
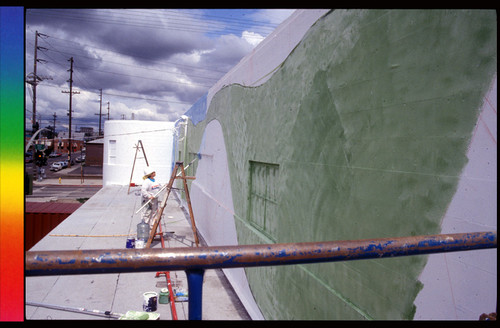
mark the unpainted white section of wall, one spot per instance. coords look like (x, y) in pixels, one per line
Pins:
(451, 289)
(213, 201)
(120, 140)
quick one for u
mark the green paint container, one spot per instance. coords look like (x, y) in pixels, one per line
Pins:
(164, 296)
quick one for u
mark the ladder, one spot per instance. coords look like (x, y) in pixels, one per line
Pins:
(169, 282)
(139, 143)
(159, 213)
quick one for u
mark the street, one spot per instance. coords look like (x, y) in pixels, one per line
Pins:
(30, 167)
(50, 188)
(58, 192)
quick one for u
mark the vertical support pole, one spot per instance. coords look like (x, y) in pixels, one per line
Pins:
(195, 292)
(70, 110)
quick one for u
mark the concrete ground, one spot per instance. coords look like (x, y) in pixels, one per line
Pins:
(104, 222)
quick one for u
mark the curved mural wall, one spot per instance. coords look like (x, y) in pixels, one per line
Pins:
(362, 132)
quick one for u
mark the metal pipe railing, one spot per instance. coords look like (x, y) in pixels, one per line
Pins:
(194, 259)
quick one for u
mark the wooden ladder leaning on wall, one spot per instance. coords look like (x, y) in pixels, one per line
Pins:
(157, 218)
(139, 144)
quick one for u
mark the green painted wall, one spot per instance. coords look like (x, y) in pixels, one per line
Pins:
(361, 133)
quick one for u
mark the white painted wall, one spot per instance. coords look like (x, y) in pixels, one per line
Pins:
(213, 208)
(463, 285)
(119, 151)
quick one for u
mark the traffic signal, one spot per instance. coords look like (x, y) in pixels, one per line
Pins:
(39, 158)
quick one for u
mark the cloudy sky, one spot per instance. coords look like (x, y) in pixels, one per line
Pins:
(150, 64)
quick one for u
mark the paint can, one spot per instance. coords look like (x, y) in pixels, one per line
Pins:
(181, 295)
(139, 243)
(150, 303)
(130, 242)
(164, 296)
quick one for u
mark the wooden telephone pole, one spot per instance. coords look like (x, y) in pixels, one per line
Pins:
(54, 134)
(100, 111)
(33, 80)
(71, 92)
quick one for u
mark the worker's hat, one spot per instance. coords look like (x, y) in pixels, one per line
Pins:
(147, 172)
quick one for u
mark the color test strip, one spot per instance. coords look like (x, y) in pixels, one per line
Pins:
(11, 163)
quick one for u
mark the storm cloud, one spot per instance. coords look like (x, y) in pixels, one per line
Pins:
(149, 64)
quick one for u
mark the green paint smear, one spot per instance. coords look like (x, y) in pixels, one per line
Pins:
(369, 120)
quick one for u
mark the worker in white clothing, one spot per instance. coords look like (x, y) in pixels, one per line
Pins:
(148, 190)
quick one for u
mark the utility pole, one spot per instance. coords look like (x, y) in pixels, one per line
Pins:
(108, 110)
(54, 134)
(33, 79)
(70, 110)
(35, 82)
(100, 111)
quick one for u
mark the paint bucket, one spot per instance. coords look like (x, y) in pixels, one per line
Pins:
(150, 301)
(164, 296)
(139, 243)
(181, 295)
(130, 242)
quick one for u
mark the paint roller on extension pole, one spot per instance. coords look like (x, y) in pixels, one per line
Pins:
(165, 186)
(130, 315)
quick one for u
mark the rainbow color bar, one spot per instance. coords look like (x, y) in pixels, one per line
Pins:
(11, 163)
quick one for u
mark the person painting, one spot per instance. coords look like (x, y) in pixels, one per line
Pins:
(148, 190)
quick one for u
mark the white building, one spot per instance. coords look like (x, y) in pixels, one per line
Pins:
(121, 140)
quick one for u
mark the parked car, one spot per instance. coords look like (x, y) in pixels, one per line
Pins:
(56, 166)
(65, 163)
(80, 159)
(55, 154)
(28, 159)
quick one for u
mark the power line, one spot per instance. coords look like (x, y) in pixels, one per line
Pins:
(147, 78)
(212, 79)
(194, 13)
(114, 53)
(135, 76)
(59, 49)
(139, 67)
(126, 96)
(184, 24)
(146, 15)
(149, 99)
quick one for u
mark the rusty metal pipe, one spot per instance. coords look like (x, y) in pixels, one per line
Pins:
(39, 263)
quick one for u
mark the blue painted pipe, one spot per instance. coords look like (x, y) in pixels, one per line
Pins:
(40, 263)
(194, 260)
(195, 292)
